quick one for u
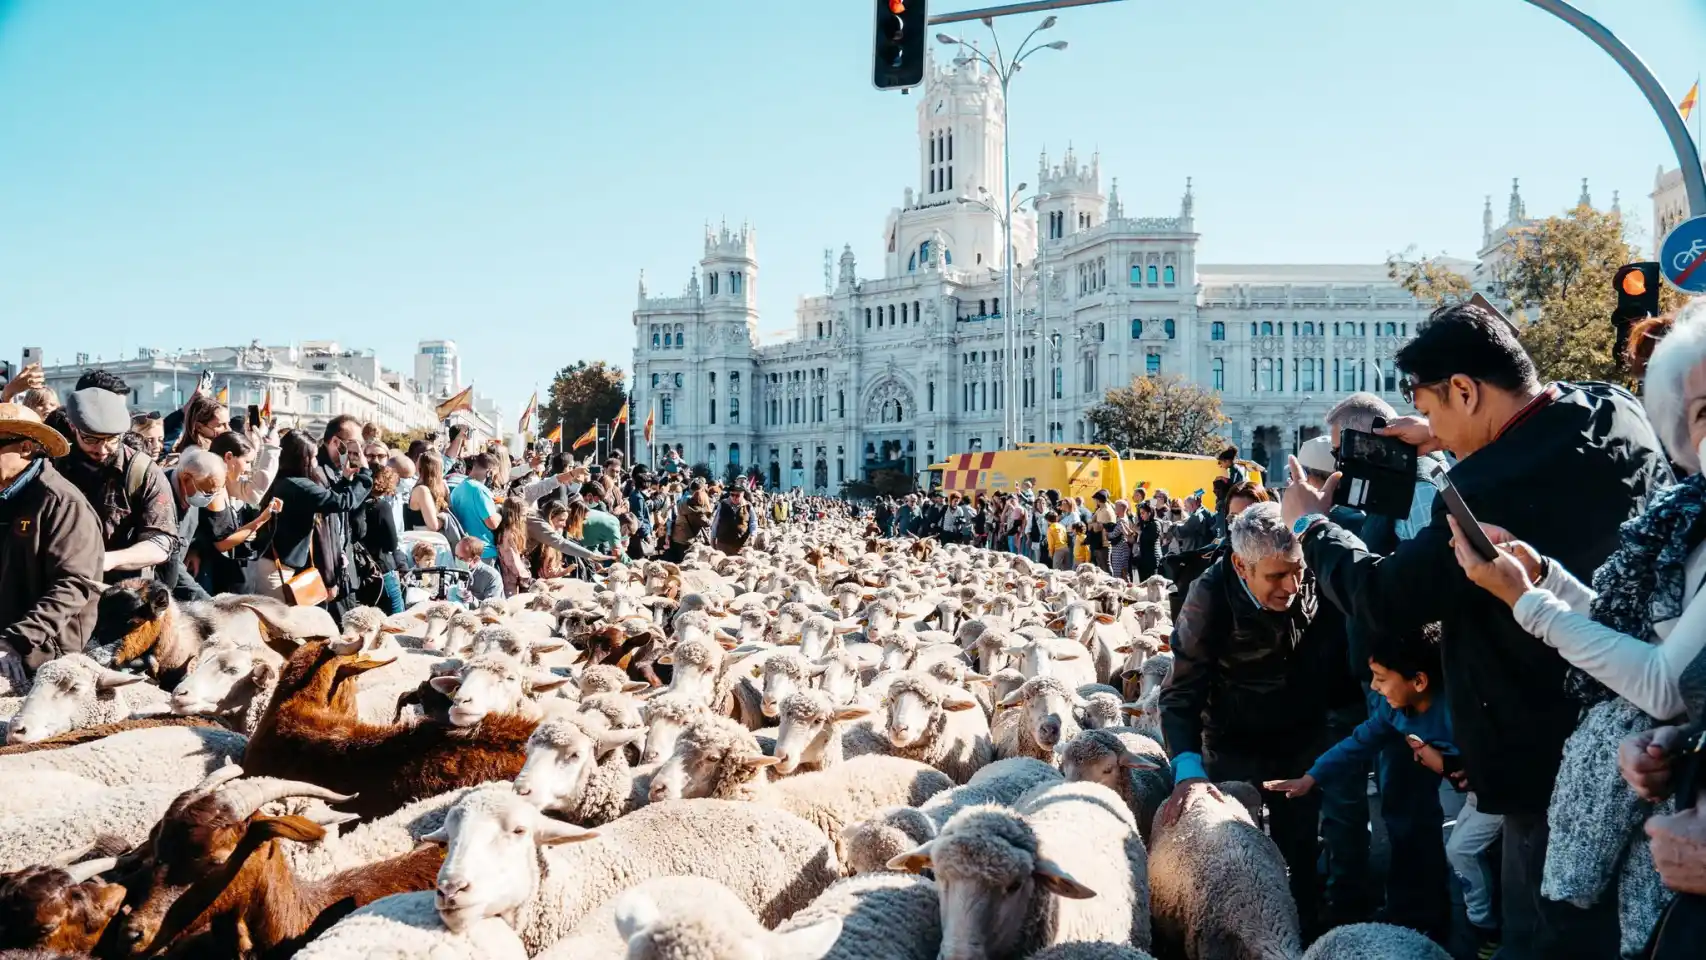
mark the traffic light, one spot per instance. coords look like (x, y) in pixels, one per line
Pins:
(1637, 287)
(898, 56)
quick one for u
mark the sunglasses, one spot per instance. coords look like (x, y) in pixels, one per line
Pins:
(1408, 385)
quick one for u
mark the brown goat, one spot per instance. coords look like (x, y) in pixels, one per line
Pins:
(198, 834)
(255, 906)
(56, 909)
(302, 736)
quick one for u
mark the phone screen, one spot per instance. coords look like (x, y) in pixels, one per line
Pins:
(255, 416)
(1466, 520)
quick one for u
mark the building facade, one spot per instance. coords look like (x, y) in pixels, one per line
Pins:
(1670, 204)
(900, 370)
(310, 383)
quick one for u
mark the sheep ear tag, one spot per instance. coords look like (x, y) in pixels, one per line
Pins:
(1058, 881)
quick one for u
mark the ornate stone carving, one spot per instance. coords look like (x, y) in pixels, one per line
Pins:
(882, 400)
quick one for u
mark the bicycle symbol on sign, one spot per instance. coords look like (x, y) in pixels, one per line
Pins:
(1686, 257)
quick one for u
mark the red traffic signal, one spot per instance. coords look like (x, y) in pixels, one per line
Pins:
(898, 56)
(1637, 288)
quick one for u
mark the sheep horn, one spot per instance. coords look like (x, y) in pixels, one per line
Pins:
(107, 678)
(216, 779)
(90, 869)
(243, 799)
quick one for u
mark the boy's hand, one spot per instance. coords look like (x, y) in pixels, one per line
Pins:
(1291, 788)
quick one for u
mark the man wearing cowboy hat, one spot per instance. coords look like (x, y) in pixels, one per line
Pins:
(50, 550)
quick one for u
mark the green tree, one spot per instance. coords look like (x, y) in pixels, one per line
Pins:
(1558, 279)
(1427, 278)
(581, 393)
(1166, 413)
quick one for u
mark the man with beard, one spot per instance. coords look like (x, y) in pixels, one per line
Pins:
(127, 490)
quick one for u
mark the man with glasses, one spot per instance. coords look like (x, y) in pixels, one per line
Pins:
(50, 551)
(128, 491)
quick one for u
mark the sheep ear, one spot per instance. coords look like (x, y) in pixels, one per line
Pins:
(108, 679)
(806, 943)
(913, 861)
(550, 645)
(542, 681)
(1012, 699)
(441, 836)
(756, 762)
(613, 740)
(635, 911)
(1123, 648)
(666, 659)
(1132, 761)
(1058, 882)
(549, 833)
(635, 686)
(446, 685)
(1071, 653)
(1104, 618)
(389, 627)
(958, 701)
(292, 827)
(853, 712)
(1057, 623)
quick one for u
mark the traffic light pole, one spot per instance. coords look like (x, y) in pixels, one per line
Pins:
(1010, 9)
(1687, 155)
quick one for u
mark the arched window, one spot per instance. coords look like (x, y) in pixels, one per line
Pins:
(711, 279)
(1255, 381)
(655, 380)
(1309, 329)
(1404, 330)
(655, 337)
(734, 410)
(713, 419)
(1167, 276)
(1169, 327)
(1267, 376)
(930, 394)
(1101, 333)
(1217, 331)
(734, 454)
(666, 410)
(710, 453)
(1293, 328)
(983, 308)
(840, 404)
(917, 312)
(678, 381)
(867, 318)
(1136, 275)
(1136, 329)
(1267, 328)
(1364, 330)
(1101, 272)
(1335, 329)
(1219, 368)
(820, 329)
(1154, 275)
(903, 313)
(1252, 328)
(680, 335)
(891, 314)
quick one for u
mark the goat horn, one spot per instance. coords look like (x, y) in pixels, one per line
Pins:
(216, 779)
(243, 799)
(90, 869)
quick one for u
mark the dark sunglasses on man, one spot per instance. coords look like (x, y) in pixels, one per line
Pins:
(1408, 385)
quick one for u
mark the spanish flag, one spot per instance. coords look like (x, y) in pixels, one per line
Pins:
(556, 434)
(590, 436)
(651, 416)
(224, 395)
(266, 408)
(462, 401)
(527, 414)
(621, 416)
(1689, 99)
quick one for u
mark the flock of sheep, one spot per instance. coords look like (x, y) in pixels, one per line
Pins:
(823, 747)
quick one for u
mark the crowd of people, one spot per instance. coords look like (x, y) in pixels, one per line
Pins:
(207, 504)
(1548, 701)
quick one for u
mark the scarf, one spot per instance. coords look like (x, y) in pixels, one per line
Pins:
(1595, 817)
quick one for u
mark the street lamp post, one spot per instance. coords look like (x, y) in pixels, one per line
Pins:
(1005, 69)
(1009, 332)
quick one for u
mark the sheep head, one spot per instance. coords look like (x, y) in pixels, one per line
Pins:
(491, 862)
(1099, 756)
(667, 717)
(222, 681)
(809, 728)
(67, 695)
(917, 706)
(561, 756)
(1047, 705)
(715, 757)
(686, 934)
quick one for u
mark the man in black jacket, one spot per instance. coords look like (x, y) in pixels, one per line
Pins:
(1561, 466)
(1255, 662)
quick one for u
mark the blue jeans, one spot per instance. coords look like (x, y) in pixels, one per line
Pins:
(1416, 891)
(393, 594)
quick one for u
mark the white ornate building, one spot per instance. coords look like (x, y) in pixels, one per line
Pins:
(903, 369)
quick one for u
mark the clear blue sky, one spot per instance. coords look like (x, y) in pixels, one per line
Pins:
(201, 171)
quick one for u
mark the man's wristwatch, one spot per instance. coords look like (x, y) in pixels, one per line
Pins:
(1306, 521)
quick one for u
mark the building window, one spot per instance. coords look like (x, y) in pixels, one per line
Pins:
(678, 381)
(1168, 326)
(1219, 368)
(1090, 373)
(1267, 376)
(930, 395)
(1267, 328)
(1136, 275)
(891, 314)
(734, 410)
(997, 311)
(655, 381)
(820, 329)
(917, 312)
(1167, 276)
(1059, 383)
(1136, 329)
(1217, 331)
(903, 313)
(316, 403)
(712, 277)
(710, 453)
(1152, 364)
(656, 339)
(734, 454)
(666, 411)
(713, 420)
(840, 404)
(1154, 277)
(1101, 332)
(867, 318)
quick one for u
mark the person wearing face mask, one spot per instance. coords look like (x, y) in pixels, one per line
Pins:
(139, 519)
(198, 477)
(1529, 455)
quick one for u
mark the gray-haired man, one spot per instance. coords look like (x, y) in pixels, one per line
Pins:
(1254, 661)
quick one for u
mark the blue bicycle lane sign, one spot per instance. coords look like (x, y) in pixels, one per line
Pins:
(1682, 257)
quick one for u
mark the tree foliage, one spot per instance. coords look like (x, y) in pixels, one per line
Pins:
(1167, 413)
(1427, 279)
(581, 393)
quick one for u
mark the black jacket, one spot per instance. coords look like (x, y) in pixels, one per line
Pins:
(1563, 477)
(1244, 676)
(304, 500)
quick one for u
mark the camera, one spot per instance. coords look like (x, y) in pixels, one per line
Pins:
(1378, 474)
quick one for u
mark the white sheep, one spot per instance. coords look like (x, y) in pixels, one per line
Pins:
(1218, 887)
(230, 682)
(1035, 719)
(495, 867)
(868, 846)
(810, 729)
(1016, 880)
(720, 759)
(667, 717)
(1090, 951)
(128, 812)
(566, 771)
(389, 836)
(686, 918)
(406, 926)
(884, 916)
(74, 693)
(1125, 761)
(175, 757)
(39, 789)
(927, 721)
(1374, 941)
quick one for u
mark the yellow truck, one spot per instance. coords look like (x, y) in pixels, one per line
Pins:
(1079, 470)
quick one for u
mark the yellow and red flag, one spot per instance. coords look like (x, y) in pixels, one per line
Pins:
(621, 416)
(527, 414)
(651, 417)
(556, 434)
(590, 436)
(1689, 100)
(224, 395)
(463, 400)
(266, 408)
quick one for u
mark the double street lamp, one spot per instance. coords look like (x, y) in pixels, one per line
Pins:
(1005, 69)
(1011, 418)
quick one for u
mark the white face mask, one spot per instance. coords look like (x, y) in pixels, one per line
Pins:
(199, 500)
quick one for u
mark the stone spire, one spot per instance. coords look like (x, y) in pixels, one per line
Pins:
(1584, 200)
(1487, 222)
(642, 286)
(693, 283)
(1516, 212)
(1188, 203)
(848, 267)
(1615, 207)
(1115, 211)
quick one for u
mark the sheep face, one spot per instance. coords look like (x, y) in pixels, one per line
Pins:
(69, 693)
(662, 734)
(696, 662)
(561, 755)
(56, 910)
(808, 721)
(218, 673)
(992, 651)
(491, 861)
(868, 846)
(1101, 758)
(898, 651)
(436, 621)
(714, 758)
(989, 875)
(485, 686)
(1099, 711)
(784, 673)
(914, 709)
(363, 632)
(457, 634)
(838, 676)
(1047, 706)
